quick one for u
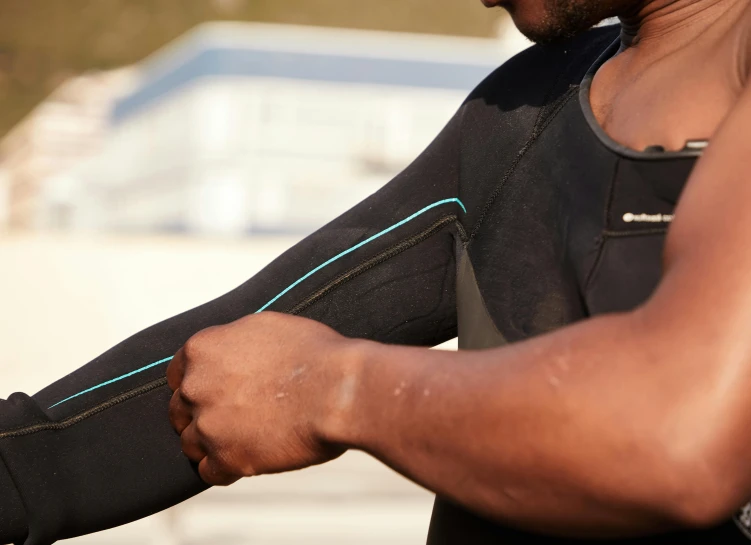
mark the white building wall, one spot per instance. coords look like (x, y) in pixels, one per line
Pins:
(62, 131)
(232, 155)
(208, 142)
(135, 150)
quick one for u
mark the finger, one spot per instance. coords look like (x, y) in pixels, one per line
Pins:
(191, 443)
(176, 370)
(212, 474)
(180, 413)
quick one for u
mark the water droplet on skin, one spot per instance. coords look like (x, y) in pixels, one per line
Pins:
(562, 364)
(402, 386)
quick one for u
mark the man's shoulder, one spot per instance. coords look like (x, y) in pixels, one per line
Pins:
(510, 108)
(540, 72)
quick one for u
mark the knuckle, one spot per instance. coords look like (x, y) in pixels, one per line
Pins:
(190, 392)
(203, 428)
(197, 345)
(193, 346)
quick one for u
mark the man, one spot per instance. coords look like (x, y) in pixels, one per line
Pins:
(605, 395)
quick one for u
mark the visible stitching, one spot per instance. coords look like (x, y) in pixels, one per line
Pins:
(611, 193)
(68, 422)
(146, 388)
(360, 245)
(462, 233)
(536, 132)
(640, 232)
(600, 245)
(377, 260)
(287, 289)
(602, 239)
(112, 381)
(551, 107)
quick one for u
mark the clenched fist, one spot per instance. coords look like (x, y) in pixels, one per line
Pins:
(258, 395)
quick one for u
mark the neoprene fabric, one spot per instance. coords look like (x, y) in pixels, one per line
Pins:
(543, 195)
(110, 456)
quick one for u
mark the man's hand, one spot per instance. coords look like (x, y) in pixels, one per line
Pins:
(255, 396)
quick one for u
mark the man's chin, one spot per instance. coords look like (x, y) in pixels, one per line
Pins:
(548, 21)
(538, 33)
(542, 33)
(546, 38)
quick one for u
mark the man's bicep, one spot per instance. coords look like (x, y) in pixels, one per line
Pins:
(699, 317)
(707, 256)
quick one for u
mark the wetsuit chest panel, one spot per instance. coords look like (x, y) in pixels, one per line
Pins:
(577, 230)
(626, 273)
(640, 209)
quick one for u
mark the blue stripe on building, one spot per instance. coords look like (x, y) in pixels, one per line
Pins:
(302, 66)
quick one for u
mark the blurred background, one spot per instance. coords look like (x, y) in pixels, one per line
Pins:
(156, 153)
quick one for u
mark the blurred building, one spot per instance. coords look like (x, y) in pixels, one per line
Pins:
(238, 128)
(66, 129)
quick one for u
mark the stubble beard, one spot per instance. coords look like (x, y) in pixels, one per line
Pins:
(565, 19)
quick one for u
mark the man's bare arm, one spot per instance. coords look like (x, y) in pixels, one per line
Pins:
(621, 424)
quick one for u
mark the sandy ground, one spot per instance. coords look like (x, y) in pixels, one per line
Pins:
(63, 300)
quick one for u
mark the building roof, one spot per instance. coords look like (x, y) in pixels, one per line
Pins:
(312, 54)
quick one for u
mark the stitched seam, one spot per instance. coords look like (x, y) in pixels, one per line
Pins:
(80, 417)
(641, 232)
(611, 193)
(596, 264)
(342, 279)
(387, 254)
(551, 107)
(359, 245)
(536, 132)
(615, 234)
(537, 129)
(600, 240)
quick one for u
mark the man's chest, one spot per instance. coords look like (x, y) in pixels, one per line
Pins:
(577, 229)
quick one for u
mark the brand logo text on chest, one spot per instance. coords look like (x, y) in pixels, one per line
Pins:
(648, 218)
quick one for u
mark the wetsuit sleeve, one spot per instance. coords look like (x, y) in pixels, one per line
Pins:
(96, 450)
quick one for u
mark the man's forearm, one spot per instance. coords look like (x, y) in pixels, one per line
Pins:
(570, 433)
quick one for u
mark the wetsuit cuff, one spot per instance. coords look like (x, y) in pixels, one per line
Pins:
(13, 525)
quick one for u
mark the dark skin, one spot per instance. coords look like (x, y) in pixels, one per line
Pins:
(620, 425)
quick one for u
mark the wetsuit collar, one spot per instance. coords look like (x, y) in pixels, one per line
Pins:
(692, 149)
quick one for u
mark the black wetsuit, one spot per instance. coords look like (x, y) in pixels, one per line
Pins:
(520, 218)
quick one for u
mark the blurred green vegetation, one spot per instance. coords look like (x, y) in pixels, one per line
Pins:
(42, 42)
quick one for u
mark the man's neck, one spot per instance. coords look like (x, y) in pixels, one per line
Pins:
(663, 26)
(656, 75)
